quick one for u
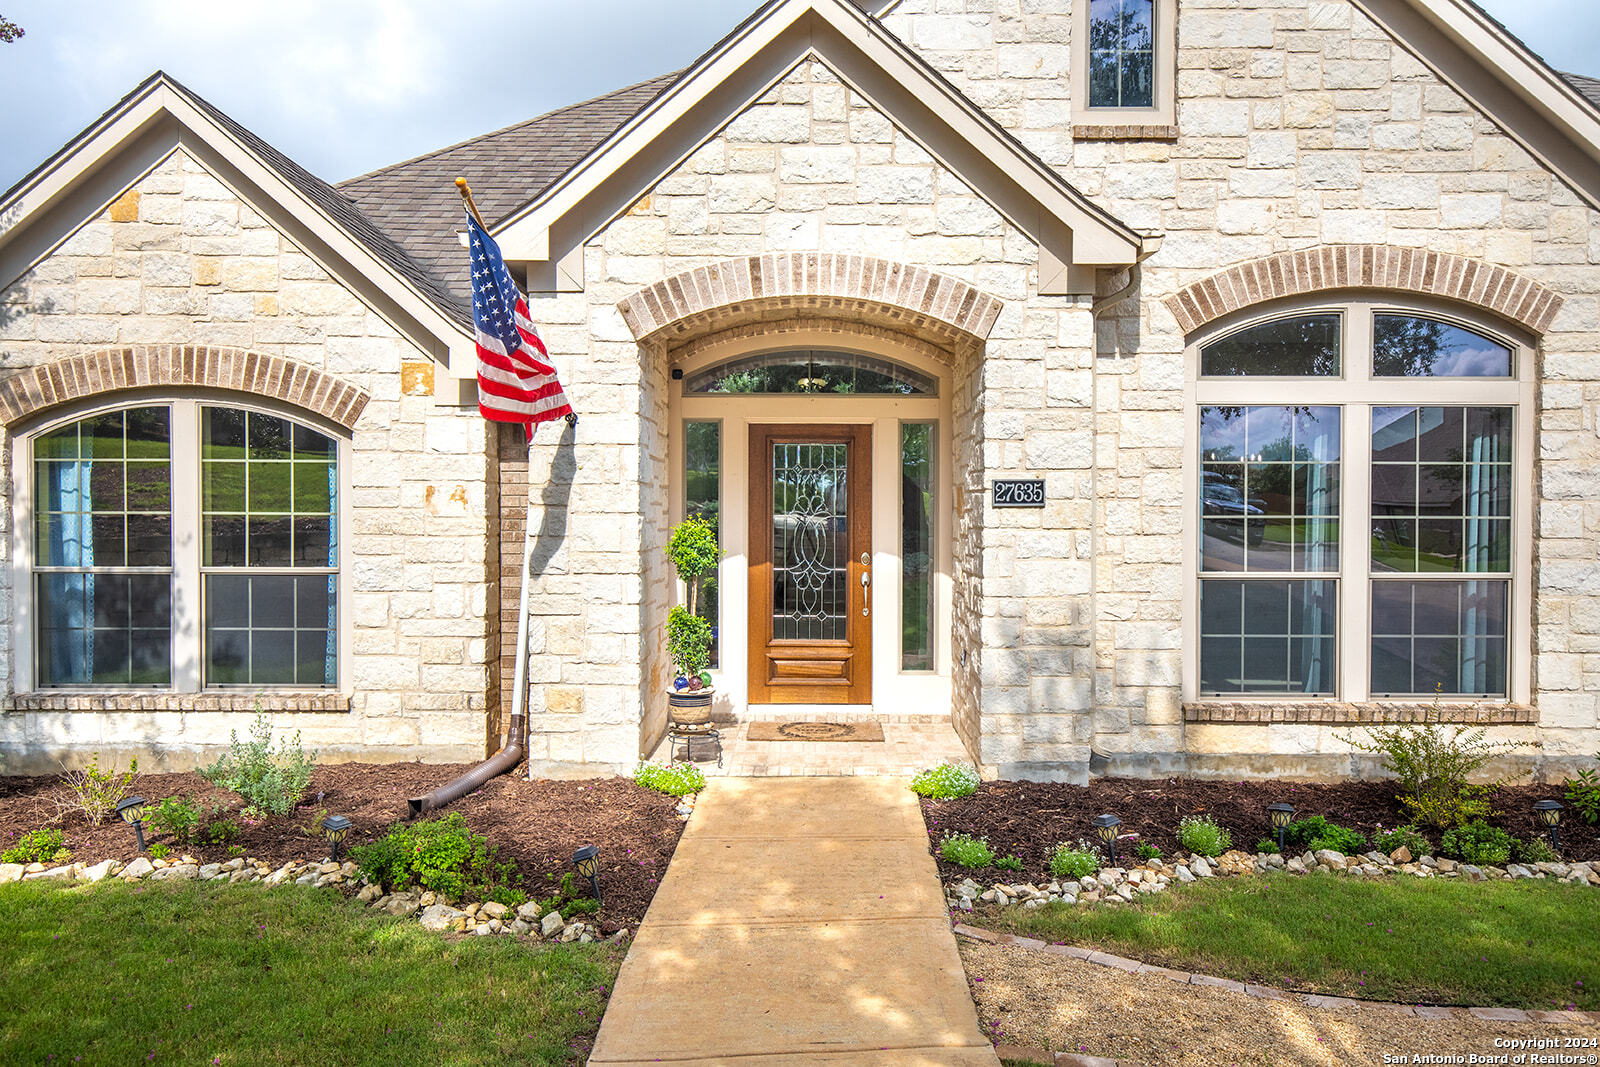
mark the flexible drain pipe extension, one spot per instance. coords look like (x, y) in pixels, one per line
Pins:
(508, 757)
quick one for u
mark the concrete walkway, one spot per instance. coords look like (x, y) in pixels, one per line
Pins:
(800, 922)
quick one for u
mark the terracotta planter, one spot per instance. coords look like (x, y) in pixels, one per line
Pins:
(690, 707)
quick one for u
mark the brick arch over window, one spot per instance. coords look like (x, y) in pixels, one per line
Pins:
(47, 385)
(933, 307)
(1365, 267)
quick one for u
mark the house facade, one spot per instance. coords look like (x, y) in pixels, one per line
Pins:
(1150, 386)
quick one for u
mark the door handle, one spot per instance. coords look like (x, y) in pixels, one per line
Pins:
(866, 585)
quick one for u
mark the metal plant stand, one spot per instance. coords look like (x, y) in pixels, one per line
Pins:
(688, 734)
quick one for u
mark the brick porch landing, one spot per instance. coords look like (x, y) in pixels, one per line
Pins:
(910, 743)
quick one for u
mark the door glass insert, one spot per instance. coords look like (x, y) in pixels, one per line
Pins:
(810, 542)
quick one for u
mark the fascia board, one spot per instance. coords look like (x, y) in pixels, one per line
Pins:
(1527, 101)
(822, 29)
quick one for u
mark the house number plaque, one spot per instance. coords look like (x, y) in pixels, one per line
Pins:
(1019, 493)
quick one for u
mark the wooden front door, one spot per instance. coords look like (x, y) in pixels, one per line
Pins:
(810, 565)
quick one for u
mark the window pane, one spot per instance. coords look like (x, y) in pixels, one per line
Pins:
(702, 480)
(1268, 636)
(1307, 345)
(271, 629)
(1441, 489)
(1121, 37)
(1266, 473)
(1439, 637)
(103, 629)
(1409, 346)
(812, 371)
(260, 506)
(916, 546)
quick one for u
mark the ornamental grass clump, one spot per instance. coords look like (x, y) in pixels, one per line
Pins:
(268, 782)
(966, 850)
(946, 781)
(1201, 835)
(1070, 862)
(677, 779)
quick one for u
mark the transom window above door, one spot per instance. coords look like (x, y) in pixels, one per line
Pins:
(1368, 537)
(182, 545)
(811, 371)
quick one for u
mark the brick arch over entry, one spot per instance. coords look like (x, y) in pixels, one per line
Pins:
(47, 385)
(922, 303)
(1365, 267)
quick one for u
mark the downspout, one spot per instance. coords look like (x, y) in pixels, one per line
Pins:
(1100, 762)
(512, 751)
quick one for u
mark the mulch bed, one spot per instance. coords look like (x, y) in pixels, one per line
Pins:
(536, 824)
(1028, 819)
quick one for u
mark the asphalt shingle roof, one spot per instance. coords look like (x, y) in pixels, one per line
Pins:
(1589, 87)
(416, 201)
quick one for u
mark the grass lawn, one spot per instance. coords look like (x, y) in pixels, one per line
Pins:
(196, 974)
(1435, 941)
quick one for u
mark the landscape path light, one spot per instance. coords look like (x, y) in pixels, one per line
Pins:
(587, 860)
(1281, 815)
(1105, 827)
(131, 809)
(335, 828)
(1550, 812)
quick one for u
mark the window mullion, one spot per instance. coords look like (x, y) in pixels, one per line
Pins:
(186, 586)
(1355, 556)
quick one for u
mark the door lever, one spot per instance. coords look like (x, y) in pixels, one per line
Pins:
(866, 585)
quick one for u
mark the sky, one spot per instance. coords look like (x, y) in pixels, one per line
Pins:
(344, 87)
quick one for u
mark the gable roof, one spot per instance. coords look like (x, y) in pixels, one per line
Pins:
(965, 139)
(161, 114)
(416, 201)
(1589, 87)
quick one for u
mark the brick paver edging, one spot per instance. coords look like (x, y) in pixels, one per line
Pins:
(1310, 1000)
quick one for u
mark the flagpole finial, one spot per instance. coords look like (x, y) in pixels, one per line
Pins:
(466, 196)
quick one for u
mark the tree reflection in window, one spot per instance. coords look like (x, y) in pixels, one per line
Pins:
(815, 372)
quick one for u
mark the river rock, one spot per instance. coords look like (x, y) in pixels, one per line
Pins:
(10, 872)
(139, 868)
(54, 874)
(442, 918)
(529, 912)
(494, 909)
(1182, 873)
(183, 872)
(402, 905)
(552, 924)
(1200, 868)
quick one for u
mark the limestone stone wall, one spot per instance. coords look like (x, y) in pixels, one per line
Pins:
(1300, 124)
(181, 259)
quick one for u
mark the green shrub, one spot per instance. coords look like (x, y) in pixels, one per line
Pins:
(1583, 793)
(158, 851)
(678, 779)
(1536, 850)
(1386, 841)
(1433, 764)
(1146, 851)
(221, 831)
(442, 855)
(1265, 846)
(1315, 832)
(1008, 863)
(176, 816)
(267, 782)
(946, 781)
(1478, 843)
(35, 846)
(966, 850)
(96, 792)
(1201, 835)
(1069, 862)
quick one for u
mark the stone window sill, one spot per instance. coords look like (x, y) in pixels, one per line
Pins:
(133, 701)
(1123, 132)
(1339, 713)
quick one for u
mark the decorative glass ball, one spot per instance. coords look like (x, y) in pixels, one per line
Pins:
(695, 684)
(705, 679)
(680, 683)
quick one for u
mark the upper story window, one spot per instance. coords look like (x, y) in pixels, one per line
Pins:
(1124, 66)
(1369, 537)
(183, 546)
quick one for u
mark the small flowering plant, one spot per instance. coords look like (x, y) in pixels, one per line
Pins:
(946, 781)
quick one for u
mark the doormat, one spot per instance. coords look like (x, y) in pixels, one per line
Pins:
(816, 731)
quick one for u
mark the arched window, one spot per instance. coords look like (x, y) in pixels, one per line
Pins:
(182, 545)
(1362, 502)
(818, 372)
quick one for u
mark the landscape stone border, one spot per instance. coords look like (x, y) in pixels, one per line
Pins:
(431, 912)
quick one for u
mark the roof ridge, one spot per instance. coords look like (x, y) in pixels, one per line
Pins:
(666, 78)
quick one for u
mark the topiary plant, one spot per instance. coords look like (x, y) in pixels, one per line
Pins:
(694, 553)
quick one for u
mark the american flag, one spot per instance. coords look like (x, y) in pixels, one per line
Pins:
(516, 382)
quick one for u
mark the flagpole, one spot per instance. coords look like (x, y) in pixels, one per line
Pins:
(472, 206)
